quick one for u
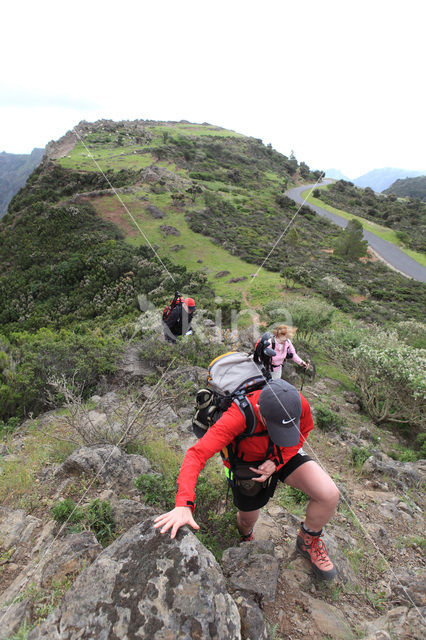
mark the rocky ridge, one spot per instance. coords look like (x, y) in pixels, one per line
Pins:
(143, 585)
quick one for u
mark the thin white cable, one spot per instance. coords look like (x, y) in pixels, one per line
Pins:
(123, 204)
(285, 230)
(49, 546)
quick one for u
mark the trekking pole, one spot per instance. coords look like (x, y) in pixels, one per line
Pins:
(305, 369)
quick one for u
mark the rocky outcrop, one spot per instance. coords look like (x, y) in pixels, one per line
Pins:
(403, 473)
(149, 587)
(168, 230)
(13, 616)
(108, 463)
(400, 622)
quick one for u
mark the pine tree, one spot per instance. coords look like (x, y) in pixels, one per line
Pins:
(351, 244)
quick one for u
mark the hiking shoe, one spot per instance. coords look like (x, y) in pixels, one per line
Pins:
(313, 548)
(247, 537)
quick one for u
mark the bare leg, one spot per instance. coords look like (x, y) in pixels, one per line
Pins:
(323, 493)
(246, 521)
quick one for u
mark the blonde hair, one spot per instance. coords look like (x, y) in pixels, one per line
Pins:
(283, 330)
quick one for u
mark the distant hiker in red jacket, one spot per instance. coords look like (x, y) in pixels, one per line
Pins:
(178, 322)
(283, 348)
(284, 419)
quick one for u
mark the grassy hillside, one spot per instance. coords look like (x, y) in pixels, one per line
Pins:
(229, 188)
(131, 208)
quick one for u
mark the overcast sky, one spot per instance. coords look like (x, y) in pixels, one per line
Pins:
(342, 83)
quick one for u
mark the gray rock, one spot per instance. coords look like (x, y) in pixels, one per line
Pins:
(409, 588)
(240, 279)
(13, 616)
(366, 434)
(168, 230)
(149, 587)
(400, 622)
(109, 463)
(127, 513)
(16, 528)
(67, 556)
(252, 569)
(252, 620)
(221, 274)
(154, 212)
(329, 620)
(131, 364)
(410, 473)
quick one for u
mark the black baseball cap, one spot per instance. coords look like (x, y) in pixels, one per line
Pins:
(281, 407)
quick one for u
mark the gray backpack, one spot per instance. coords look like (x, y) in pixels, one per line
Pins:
(231, 377)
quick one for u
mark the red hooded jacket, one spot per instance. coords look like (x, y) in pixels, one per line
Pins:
(223, 432)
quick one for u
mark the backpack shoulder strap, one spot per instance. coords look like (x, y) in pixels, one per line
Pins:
(247, 410)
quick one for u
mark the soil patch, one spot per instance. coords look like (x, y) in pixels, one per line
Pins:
(113, 211)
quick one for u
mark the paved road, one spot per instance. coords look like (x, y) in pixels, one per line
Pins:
(384, 249)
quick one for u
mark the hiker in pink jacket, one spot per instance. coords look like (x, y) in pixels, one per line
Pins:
(284, 349)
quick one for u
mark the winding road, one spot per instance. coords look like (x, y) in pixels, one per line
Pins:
(386, 251)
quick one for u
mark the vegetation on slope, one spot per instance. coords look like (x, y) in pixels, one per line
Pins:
(408, 188)
(406, 217)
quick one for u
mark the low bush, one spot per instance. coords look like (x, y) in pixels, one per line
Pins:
(96, 516)
(326, 419)
(359, 455)
(390, 379)
(30, 361)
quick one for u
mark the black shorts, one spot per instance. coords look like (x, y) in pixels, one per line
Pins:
(251, 503)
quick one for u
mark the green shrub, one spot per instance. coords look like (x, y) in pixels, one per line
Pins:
(10, 425)
(97, 516)
(420, 445)
(157, 490)
(35, 359)
(390, 380)
(412, 332)
(100, 520)
(67, 511)
(326, 419)
(359, 455)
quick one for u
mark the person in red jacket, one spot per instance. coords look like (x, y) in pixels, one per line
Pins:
(283, 421)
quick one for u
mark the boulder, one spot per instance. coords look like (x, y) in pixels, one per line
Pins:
(154, 212)
(404, 473)
(221, 274)
(252, 569)
(168, 230)
(116, 468)
(147, 586)
(13, 616)
(400, 622)
(67, 556)
(252, 620)
(127, 513)
(131, 364)
(409, 588)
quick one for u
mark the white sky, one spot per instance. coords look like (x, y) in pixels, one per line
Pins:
(342, 83)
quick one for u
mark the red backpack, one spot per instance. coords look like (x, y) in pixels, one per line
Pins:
(173, 303)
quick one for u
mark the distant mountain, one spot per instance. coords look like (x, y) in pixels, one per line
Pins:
(14, 171)
(336, 174)
(381, 179)
(409, 187)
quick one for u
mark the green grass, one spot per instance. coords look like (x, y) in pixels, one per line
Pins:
(382, 232)
(115, 158)
(266, 286)
(182, 129)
